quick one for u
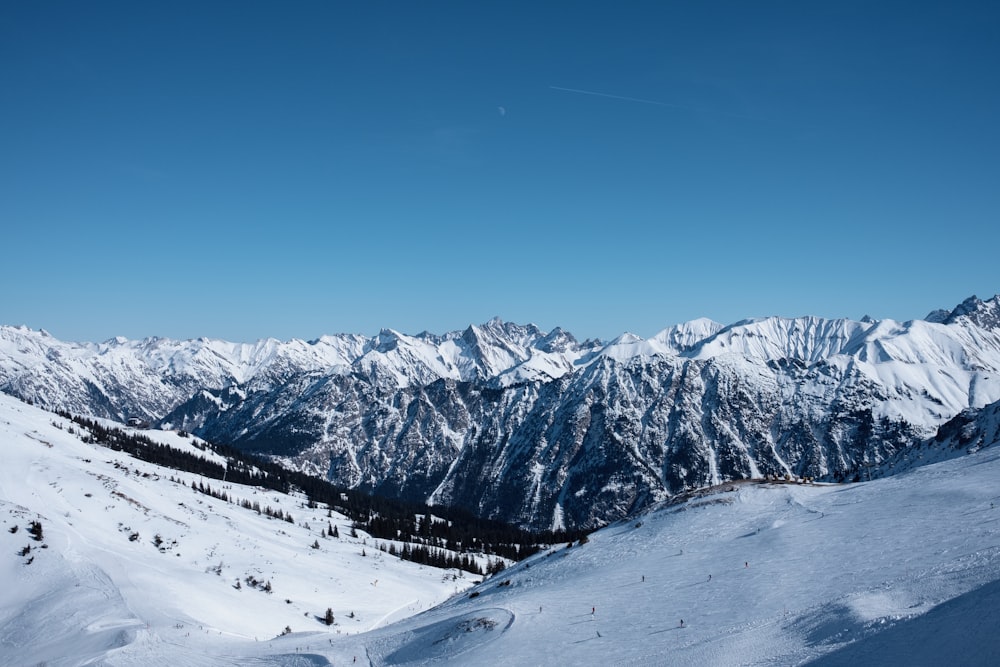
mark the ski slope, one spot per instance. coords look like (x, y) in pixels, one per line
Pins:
(902, 570)
(94, 594)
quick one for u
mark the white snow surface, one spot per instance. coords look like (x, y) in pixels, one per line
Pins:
(924, 372)
(928, 371)
(92, 595)
(903, 570)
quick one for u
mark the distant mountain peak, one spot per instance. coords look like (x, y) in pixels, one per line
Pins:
(536, 427)
(984, 314)
(387, 340)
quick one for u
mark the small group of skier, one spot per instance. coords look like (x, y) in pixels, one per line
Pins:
(593, 610)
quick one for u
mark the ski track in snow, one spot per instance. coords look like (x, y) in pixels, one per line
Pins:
(901, 570)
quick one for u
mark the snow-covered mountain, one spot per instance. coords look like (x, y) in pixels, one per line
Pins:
(966, 433)
(538, 428)
(119, 378)
(129, 565)
(900, 570)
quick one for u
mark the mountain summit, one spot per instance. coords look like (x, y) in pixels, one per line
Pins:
(538, 428)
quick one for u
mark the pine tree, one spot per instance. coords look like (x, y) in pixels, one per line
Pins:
(35, 529)
(328, 619)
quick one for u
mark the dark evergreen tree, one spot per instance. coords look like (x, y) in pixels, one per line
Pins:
(35, 528)
(392, 520)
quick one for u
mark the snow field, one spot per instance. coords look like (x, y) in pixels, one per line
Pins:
(797, 573)
(94, 585)
(901, 570)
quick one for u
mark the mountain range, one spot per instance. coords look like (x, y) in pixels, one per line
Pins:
(537, 428)
(112, 560)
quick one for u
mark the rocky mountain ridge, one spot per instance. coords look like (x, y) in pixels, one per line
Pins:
(538, 428)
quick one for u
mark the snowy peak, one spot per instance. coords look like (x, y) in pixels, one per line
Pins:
(628, 346)
(157, 374)
(984, 314)
(495, 346)
(557, 340)
(807, 339)
(938, 316)
(536, 428)
(398, 360)
(684, 337)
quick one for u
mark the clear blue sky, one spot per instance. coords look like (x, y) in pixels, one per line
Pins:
(242, 170)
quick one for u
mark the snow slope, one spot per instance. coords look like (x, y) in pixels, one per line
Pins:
(581, 433)
(903, 570)
(900, 570)
(92, 593)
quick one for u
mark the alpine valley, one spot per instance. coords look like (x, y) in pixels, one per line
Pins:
(539, 429)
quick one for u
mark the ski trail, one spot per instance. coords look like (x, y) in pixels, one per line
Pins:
(385, 618)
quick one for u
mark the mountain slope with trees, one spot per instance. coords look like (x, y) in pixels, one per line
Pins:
(533, 428)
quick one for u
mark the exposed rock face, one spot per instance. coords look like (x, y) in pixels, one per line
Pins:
(537, 428)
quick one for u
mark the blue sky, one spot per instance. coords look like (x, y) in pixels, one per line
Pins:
(243, 170)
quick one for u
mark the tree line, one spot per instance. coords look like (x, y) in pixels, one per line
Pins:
(451, 529)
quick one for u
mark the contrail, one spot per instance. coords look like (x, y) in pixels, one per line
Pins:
(619, 97)
(659, 104)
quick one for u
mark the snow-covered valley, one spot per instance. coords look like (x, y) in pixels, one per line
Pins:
(899, 570)
(537, 429)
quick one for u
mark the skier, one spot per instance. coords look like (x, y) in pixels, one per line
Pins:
(592, 610)
(709, 577)
(682, 622)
